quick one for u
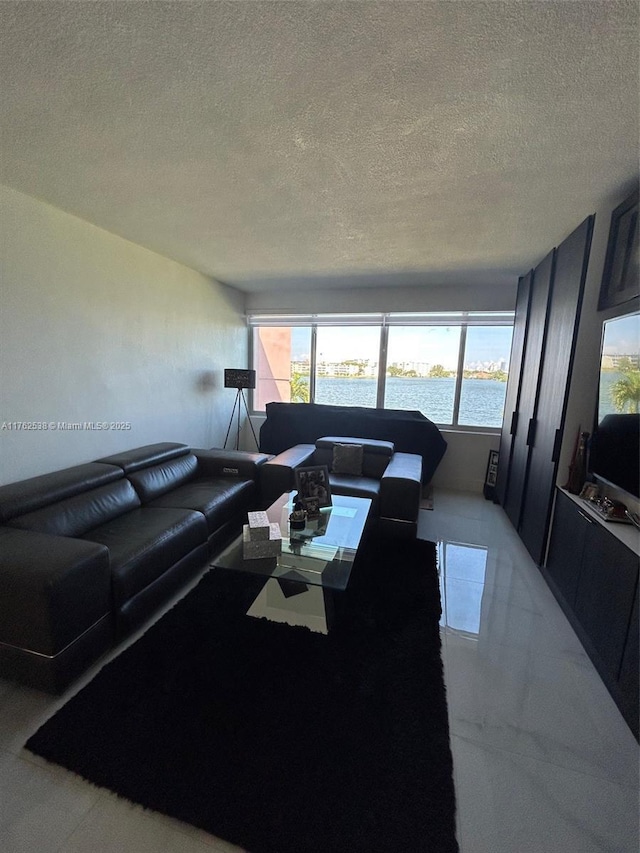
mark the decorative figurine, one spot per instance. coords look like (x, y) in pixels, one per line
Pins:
(578, 465)
(298, 518)
(313, 507)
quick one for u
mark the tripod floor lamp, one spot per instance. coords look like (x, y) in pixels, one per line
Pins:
(239, 379)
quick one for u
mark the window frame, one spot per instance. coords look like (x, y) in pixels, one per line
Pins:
(463, 319)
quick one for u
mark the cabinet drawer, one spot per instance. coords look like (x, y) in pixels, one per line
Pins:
(605, 594)
(628, 681)
(594, 576)
(566, 547)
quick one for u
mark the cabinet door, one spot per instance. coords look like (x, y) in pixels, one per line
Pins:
(566, 547)
(545, 438)
(605, 594)
(628, 679)
(518, 343)
(528, 387)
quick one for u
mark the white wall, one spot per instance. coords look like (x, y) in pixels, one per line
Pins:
(95, 328)
(453, 296)
(464, 465)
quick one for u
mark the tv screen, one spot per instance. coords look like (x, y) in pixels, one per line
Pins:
(614, 454)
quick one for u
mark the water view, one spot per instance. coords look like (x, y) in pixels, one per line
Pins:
(481, 400)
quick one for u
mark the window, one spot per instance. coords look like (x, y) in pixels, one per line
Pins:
(281, 359)
(484, 377)
(422, 366)
(347, 365)
(453, 368)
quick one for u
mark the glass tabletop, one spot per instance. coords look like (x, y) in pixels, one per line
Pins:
(322, 554)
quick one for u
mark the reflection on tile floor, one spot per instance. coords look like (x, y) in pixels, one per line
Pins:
(543, 761)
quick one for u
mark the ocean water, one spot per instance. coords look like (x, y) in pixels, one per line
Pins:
(481, 400)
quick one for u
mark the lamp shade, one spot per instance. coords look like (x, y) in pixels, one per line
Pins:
(238, 378)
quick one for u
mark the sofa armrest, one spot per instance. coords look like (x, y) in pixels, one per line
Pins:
(230, 463)
(52, 589)
(401, 487)
(278, 474)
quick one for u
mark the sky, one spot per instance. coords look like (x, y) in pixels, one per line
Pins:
(622, 335)
(434, 344)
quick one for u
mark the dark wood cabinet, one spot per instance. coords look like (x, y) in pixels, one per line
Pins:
(604, 597)
(509, 425)
(565, 303)
(533, 430)
(527, 388)
(594, 576)
(566, 547)
(628, 679)
(592, 571)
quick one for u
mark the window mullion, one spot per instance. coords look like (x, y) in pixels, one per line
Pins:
(458, 388)
(312, 364)
(382, 366)
(251, 351)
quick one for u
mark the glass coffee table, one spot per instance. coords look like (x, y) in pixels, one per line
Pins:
(314, 562)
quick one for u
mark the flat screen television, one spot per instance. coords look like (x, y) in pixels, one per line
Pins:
(614, 455)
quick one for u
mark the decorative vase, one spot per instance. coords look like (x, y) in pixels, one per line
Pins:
(578, 466)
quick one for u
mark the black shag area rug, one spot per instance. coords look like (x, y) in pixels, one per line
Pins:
(275, 738)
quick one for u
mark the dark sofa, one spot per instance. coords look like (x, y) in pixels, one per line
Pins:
(89, 552)
(391, 480)
(289, 424)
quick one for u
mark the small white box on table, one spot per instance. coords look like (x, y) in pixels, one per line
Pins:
(257, 548)
(258, 526)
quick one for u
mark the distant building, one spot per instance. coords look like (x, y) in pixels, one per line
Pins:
(612, 362)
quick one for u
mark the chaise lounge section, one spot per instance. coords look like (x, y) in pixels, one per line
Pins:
(89, 552)
(289, 424)
(374, 470)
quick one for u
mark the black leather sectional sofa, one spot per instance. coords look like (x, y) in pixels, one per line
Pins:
(89, 552)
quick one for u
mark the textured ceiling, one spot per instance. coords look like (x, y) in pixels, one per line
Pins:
(282, 144)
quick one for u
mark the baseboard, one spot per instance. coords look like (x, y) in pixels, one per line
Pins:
(460, 484)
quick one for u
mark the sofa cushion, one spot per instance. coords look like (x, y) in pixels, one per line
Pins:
(141, 457)
(145, 543)
(77, 515)
(36, 492)
(375, 458)
(152, 482)
(358, 487)
(218, 500)
(347, 459)
(217, 462)
(374, 446)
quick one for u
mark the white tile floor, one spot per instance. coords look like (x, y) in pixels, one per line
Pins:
(544, 763)
(543, 760)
